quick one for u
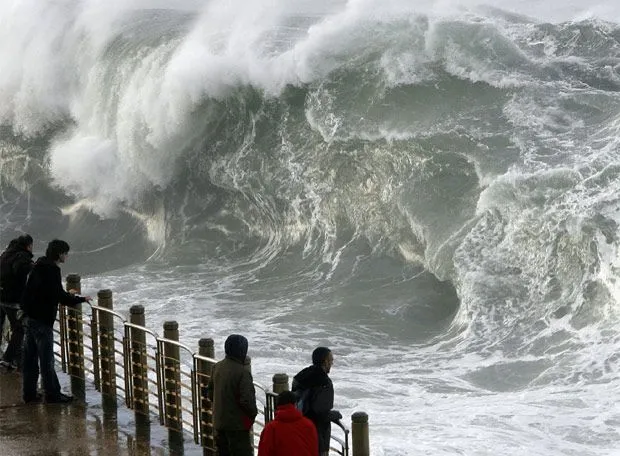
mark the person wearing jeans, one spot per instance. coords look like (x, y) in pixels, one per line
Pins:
(39, 303)
(39, 351)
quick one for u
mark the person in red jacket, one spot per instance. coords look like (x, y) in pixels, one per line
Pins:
(290, 433)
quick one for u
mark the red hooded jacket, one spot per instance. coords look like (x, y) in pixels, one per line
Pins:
(289, 434)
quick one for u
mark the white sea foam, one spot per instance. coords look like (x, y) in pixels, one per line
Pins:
(505, 184)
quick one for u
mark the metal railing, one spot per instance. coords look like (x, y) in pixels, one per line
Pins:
(154, 375)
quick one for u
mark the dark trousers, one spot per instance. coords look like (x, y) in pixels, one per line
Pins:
(39, 352)
(233, 443)
(13, 352)
(2, 317)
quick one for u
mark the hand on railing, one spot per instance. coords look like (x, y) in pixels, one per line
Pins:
(74, 292)
(335, 415)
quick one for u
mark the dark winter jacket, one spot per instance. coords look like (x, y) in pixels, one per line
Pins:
(15, 264)
(316, 384)
(289, 434)
(231, 388)
(44, 292)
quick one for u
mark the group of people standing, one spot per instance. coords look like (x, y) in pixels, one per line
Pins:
(303, 417)
(29, 297)
(30, 294)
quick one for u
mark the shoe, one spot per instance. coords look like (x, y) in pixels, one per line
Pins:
(62, 399)
(34, 400)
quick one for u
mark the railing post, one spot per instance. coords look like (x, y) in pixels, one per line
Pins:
(359, 434)
(94, 337)
(207, 440)
(172, 378)
(62, 329)
(280, 383)
(75, 339)
(247, 364)
(139, 368)
(106, 345)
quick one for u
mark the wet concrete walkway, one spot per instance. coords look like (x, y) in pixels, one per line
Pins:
(76, 429)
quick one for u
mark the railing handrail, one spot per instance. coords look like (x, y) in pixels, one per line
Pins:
(264, 389)
(205, 358)
(141, 328)
(177, 344)
(106, 310)
(197, 375)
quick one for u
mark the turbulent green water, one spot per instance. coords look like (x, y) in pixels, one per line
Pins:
(430, 191)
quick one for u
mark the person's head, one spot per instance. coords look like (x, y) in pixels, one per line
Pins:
(25, 242)
(286, 397)
(57, 250)
(236, 346)
(322, 357)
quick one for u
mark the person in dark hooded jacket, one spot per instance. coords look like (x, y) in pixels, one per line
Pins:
(231, 388)
(39, 303)
(315, 393)
(15, 265)
(6, 272)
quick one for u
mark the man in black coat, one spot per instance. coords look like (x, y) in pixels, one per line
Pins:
(315, 391)
(40, 305)
(15, 265)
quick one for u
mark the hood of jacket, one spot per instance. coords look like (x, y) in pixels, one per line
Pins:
(11, 252)
(236, 346)
(288, 413)
(15, 264)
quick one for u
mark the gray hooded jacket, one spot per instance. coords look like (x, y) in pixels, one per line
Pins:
(231, 388)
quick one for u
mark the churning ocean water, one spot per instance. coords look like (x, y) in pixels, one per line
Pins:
(431, 189)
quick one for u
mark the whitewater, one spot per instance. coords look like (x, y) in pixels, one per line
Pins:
(431, 189)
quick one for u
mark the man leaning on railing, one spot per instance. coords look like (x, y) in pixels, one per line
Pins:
(39, 304)
(315, 393)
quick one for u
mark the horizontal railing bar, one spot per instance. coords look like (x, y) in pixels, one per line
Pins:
(205, 358)
(186, 386)
(154, 362)
(107, 311)
(189, 374)
(175, 343)
(141, 328)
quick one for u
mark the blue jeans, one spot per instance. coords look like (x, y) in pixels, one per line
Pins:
(39, 352)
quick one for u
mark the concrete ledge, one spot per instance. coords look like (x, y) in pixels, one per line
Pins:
(77, 428)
